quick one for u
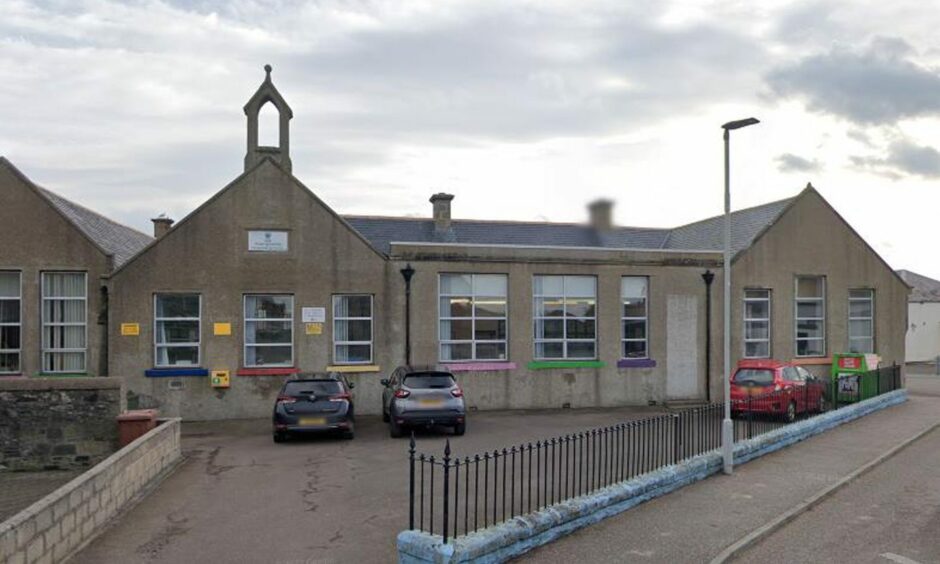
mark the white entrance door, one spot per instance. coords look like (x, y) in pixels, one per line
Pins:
(682, 347)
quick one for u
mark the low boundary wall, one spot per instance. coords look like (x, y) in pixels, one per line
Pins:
(523, 533)
(63, 522)
(58, 423)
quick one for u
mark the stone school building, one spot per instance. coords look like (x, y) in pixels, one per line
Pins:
(264, 280)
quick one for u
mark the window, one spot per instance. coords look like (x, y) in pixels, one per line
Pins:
(810, 316)
(64, 314)
(352, 329)
(176, 329)
(634, 317)
(565, 317)
(269, 330)
(473, 324)
(10, 322)
(757, 323)
(862, 321)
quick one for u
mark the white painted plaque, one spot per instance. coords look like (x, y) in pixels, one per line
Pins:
(267, 241)
(313, 314)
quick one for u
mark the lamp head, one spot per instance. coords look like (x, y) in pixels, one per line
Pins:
(738, 124)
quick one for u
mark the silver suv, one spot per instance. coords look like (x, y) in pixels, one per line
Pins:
(423, 397)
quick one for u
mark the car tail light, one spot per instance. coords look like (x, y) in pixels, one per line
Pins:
(341, 397)
(402, 393)
(285, 399)
(457, 392)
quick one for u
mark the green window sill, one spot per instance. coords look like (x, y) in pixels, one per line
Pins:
(549, 364)
(62, 375)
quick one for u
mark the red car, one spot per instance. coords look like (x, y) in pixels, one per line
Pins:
(773, 387)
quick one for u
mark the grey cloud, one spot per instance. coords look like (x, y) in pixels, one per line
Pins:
(904, 158)
(877, 85)
(788, 162)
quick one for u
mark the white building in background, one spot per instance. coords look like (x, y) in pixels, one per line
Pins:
(923, 317)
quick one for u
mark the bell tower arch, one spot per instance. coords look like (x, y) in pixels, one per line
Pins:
(268, 93)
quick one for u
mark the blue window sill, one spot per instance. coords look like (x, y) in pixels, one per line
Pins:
(171, 372)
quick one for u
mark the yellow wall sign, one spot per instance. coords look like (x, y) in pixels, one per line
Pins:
(222, 328)
(220, 379)
(130, 329)
(314, 328)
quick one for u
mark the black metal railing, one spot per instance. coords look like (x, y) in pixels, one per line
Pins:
(455, 495)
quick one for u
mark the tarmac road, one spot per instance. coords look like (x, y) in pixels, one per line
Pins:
(891, 514)
(241, 498)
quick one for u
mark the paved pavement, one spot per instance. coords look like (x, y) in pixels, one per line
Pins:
(241, 498)
(696, 523)
(891, 514)
(19, 490)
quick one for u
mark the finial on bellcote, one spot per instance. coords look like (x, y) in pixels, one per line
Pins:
(267, 72)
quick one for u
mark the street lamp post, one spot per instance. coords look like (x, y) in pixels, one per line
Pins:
(407, 273)
(727, 426)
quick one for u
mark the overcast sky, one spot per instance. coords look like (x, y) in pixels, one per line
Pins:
(522, 109)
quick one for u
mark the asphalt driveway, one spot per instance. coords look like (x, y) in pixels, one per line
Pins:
(239, 497)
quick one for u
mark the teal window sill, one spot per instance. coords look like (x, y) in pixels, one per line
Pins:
(549, 364)
(61, 374)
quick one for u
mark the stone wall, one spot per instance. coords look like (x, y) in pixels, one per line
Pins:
(58, 423)
(65, 521)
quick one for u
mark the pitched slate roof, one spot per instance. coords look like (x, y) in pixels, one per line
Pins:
(746, 225)
(706, 235)
(117, 240)
(382, 231)
(923, 289)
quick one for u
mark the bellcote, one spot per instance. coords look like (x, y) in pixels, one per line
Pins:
(267, 92)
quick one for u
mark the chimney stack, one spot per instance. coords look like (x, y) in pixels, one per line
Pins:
(161, 225)
(441, 203)
(601, 214)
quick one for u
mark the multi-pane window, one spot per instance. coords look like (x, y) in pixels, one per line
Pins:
(565, 310)
(176, 330)
(473, 324)
(634, 316)
(862, 321)
(352, 329)
(269, 330)
(757, 323)
(10, 322)
(810, 316)
(64, 315)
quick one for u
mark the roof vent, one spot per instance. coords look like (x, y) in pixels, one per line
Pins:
(601, 214)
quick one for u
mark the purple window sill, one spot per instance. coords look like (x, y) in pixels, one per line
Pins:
(636, 363)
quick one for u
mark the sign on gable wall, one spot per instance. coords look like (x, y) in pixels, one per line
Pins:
(267, 241)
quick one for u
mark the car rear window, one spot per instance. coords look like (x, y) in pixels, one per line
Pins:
(315, 387)
(756, 376)
(424, 380)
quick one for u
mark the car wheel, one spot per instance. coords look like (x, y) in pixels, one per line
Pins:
(280, 437)
(394, 429)
(460, 429)
(791, 412)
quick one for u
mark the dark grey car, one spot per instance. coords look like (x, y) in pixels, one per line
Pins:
(423, 397)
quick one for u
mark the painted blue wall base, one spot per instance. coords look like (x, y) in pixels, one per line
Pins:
(521, 534)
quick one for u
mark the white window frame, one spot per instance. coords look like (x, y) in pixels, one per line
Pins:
(45, 324)
(158, 346)
(564, 318)
(370, 319)
(246, 345)
(796, 317)
(645, 319)
(871, 320)
(18, 351)
(473, 341)
(769, 320)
